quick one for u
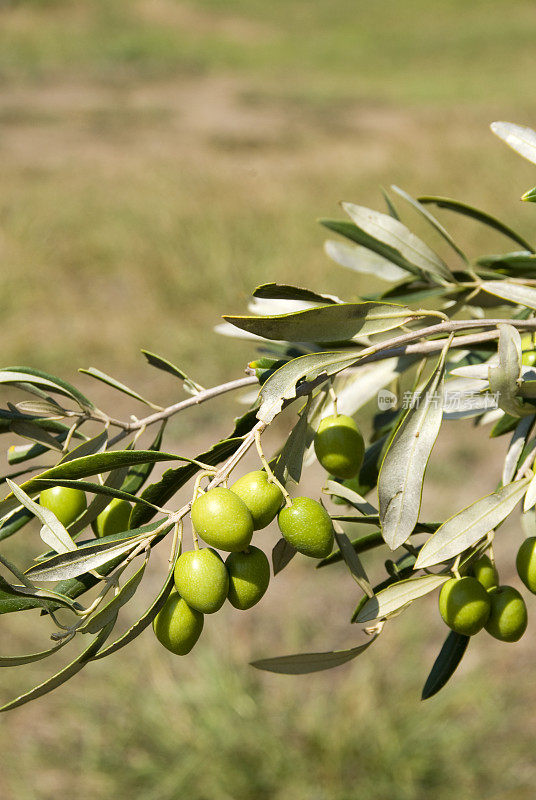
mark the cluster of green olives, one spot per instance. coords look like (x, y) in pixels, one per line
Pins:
(473, 602)
(226, 519)
(68, 504)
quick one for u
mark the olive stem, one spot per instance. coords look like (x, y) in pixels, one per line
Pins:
(333, 395)
(266, 466)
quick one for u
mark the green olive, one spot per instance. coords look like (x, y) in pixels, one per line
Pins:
(177, 626)
(307, 526)
(202, 580)
(249, 576)
(262, 498)
(526, 563)
(528, 355)
(114, 518)
(464, 605)
(339, 446)
(485, 571)
(66, 503)
(508, 618)
(221, 518)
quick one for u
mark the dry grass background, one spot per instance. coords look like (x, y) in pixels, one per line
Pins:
(158, 159)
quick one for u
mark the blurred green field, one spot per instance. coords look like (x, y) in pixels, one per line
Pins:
(158, 159)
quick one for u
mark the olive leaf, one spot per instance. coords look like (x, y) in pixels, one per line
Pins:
(89, 555)
(29, 430)
(360, 259)
(93, 465)
(283, 291)
(328, 323)
(303, 663)
(146, 619)
(516, 293)
(468, 526)
(530, 497)
(446, 663)
(111, 609)
(191, 386)
(517, 444)
(102, 376)
(372, 243)
(314, 367)
(138, 474)
(30, 658)
(64, 674)
(87, 448)
(352, 498)
(368, 541)
(35, 377)
(475, 213)
(352, 560)
(53, 533)
(400, 594)
(431, 219)
(282, 554)
(95, 488)
(505, 378)
(397, 235)
(288, 465)
(400, 481)
(518, 137)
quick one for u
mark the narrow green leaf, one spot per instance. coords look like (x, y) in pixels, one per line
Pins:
(352, 560)
(375, 245)
(53, 533)
(304, 663)
(121, 387)
(313, 367)
(93, 465)
(64, 674)
(30, 658)
(34, 376)
(145, 620)
(430, 219)
(361, 545)
(401, 477)
(529, 196)
(398, 595)
(162, 363)
(338, 322)
(14, 523)
(517, 444)
(518, 137)
(360, 259)
(138, 475)
(282, 554)
(29, 430)
(284, 291)
(446, 663)
(110, 610)
(395, 234)
(352, 498)
(515, 293)
(289, 463)
(88, 556)
(504, 379)
(480, 216)
(468, 526)
(95, 488)
(87, 448)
